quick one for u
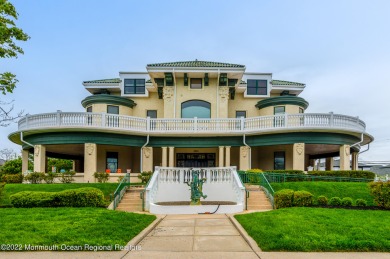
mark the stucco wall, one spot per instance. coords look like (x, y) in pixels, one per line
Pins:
(102, 107)
(148, 103)
(290, 109)
(243, 104)
(125, 157)
(263, 157)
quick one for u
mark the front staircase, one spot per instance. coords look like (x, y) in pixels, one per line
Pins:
(257, 199)
(131, 201)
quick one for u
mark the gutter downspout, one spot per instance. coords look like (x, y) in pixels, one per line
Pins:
(146, 143)
(174, 94)
(358, 144)
(250, 152)
(368, 148)
(218, 93)
(23, 141)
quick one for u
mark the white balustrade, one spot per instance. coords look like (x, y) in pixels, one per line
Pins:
(195, 125)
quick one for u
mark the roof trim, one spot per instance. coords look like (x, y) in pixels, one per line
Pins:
(282, 100)
(107, 99)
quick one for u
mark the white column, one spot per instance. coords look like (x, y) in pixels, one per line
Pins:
(345, 157)
(39, 158)
(147, 159)
(299, 156)
(171, 156)
(355, 165)
(90, 162)
(220, 153)
(24, 160)
(227, 156)
(164, 156)
(245, 156)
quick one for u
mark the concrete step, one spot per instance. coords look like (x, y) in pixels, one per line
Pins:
(260, 207)
(130, 203)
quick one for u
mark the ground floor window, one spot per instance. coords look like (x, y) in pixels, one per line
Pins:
(279, 160)
(195, 159)
(112, 161)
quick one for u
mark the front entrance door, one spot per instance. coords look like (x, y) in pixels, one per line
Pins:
(195, 159)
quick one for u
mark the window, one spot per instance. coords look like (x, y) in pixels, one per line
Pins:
(279, 110)
(134, 86)
(279, 160)
(151, 113)
(301, 110)
(89, 117)
(112, 121)
(195, 108)
(112, 161)
(256, 87)
(240, 114)
(279, 120)
(196, 83)
(89, 109)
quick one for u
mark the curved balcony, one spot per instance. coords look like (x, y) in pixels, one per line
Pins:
(229, 126)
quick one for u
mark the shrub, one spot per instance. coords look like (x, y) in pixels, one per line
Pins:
(82, 197)
(381, 193)
(67, 177)
(285, 171)
(334, 201)
(302, 199)
(12, 166)
(101, 177)
(28, 199)
(322, 200)
(361, 202)
(346, 201)
(49, 177)
(345, 173)
(12, 178)
(145, 176)
(283, 198)
(254, 170)
(35, 177)
(1, 188)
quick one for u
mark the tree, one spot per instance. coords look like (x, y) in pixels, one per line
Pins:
(7, 154)
(59, 164)
(14, 166)
(9, 33)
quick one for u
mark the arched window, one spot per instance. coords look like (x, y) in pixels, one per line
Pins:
(195, 108)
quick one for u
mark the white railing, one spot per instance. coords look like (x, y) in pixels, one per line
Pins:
(185, 126)
(169, 184)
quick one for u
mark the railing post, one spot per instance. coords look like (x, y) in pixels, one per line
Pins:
(286, 120)
(196, 124)
(58, 117)
(331, 119)
(103, 119)
(242, 124)
(147, 124)
(26, 120)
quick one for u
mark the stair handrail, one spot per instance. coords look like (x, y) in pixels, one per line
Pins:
(121, 190)
(267, 188)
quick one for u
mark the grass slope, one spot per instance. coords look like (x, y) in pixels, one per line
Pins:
(70, 226)
(318, 229)
(330, 189)
(9, 189)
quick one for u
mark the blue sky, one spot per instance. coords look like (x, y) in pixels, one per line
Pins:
(340, 49)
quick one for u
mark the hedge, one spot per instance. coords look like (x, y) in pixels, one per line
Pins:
(284, 171)
(283, 198)
(12, 178)
(302, 199)
(346, 173)
(346, 201)
(381, 193)
(322, 200)
(82, 197)
(334, 201)
(361, 202)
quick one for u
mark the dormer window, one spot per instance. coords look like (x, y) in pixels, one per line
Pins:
(196, 83)
(134, 86)
(256, 87)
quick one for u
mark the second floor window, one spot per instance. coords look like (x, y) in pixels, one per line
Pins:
(134, 86)
(240, 114)
(151, 113)
(196, 83)
(256, 87)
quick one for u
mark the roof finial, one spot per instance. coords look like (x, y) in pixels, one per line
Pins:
(196, 60)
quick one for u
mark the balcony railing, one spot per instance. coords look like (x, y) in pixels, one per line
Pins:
(198, 125)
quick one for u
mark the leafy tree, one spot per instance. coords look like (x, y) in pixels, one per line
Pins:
(9, 33)
(59, 164)
(14, 166)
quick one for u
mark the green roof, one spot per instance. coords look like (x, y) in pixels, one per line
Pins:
(281, 82)
(104, 81)
(195, 63)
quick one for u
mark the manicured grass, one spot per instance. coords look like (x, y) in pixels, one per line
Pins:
(9, 189)
(70, 226)
(318, 229)
(330, 189)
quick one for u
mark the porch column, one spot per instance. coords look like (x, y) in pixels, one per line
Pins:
(329, 164)
(344, 157)
(245, 156)
(147, 159)
(90, 162)
(299, 156)
(355, 158)
(171, 157)
(164, 157)
(39, 158)
(220, 153)
(227, 156)
(24, 160)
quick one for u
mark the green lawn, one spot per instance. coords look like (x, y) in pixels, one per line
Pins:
(106, 188)
(70, 226)
(319, 229)
(330, 189)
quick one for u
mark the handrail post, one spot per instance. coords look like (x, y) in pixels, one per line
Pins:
(58, 118)
(147, 124)
(26, 120)
(103, 119)
(196, 124)
(242, 123)
(331, 119)
(286, 120)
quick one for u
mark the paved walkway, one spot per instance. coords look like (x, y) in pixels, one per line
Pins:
(194, 236)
